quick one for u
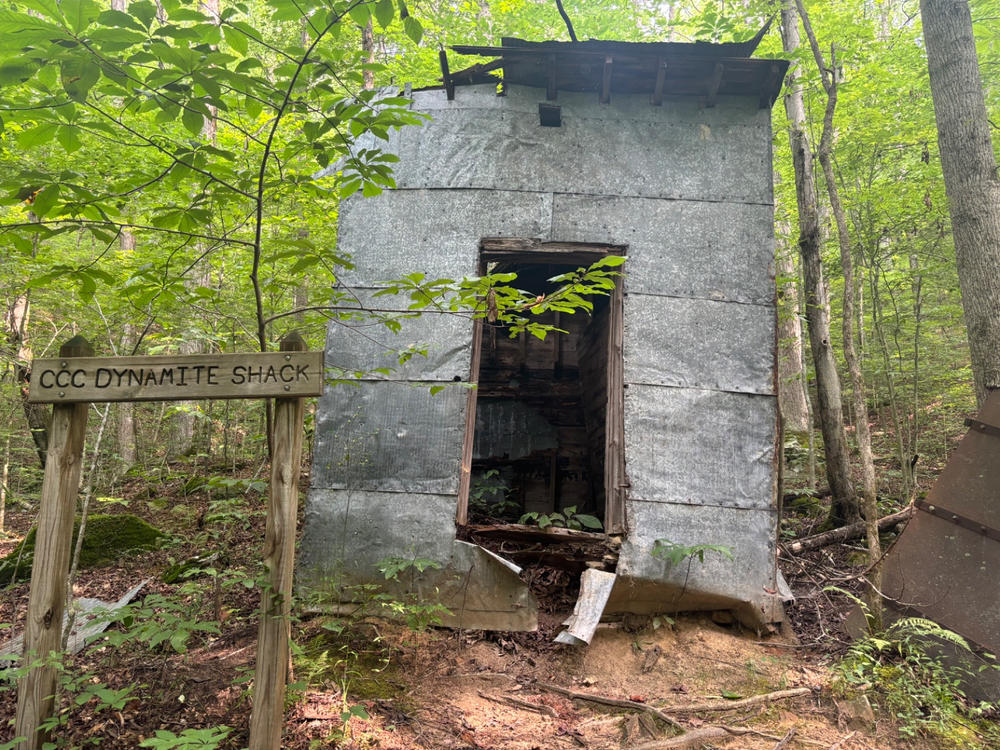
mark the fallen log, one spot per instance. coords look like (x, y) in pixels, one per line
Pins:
(844, 533)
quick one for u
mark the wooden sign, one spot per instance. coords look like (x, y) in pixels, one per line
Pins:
(286, 374)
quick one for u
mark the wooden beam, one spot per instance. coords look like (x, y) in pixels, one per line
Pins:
(449, 83)
(528, 244)
(274, 630)
(552, 92)
(714, 83)
(465, 475)
(661, 79)
(772, 84)
(606, 80)
(615, 480)
(47, 599)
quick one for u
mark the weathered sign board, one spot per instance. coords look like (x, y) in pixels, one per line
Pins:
(169, 378)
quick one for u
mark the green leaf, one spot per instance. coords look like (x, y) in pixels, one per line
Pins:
(117, 19)
(78, 75)
(235, 39)
(361, 14)
(68, 138)
(87, 288)
(729, 695)
(81, 13)
(144, 11)
(193, 121)
(45, 199)
(385, 10)
(16, 70)
(591, 522)
(413, 29)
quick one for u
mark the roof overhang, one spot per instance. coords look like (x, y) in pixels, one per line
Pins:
(657, 69)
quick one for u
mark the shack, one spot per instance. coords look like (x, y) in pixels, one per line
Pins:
(657, 414)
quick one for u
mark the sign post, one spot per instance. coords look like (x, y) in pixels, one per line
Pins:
(274, 631)
(47, 598)
(74, 380)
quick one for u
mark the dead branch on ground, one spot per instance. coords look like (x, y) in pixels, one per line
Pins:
(842, 534)
(697, 737)
(751, 701)
(617, 702)
(518, 703)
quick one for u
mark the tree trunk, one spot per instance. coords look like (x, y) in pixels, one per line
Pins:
(791, 378)
(368, 47)
(16, 332)
(843, 508)
(862, 435)
(970, 178)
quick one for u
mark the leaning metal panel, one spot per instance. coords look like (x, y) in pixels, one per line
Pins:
(699, 344)
(722, 251)
(700, 447)
(748, 534)
(390, 436)
(944, 564)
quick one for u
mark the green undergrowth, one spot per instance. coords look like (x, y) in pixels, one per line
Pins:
(106, 538)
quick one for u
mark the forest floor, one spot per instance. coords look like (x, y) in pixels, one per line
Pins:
(441, 688)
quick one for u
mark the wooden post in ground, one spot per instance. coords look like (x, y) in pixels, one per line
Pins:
(267, 717)
(47, 600)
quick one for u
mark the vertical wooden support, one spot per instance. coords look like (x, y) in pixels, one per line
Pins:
(273, 635)
(47, 600)
(614, 419)
(661, 79)
(551, 91)
(606, 80)
(465, 478)
(449, 83)
(713, 84)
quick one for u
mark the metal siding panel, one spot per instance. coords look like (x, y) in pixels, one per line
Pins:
(722, 251)
(510, 151)
(352, 530)
(364, 346)
(435, 232)
(700, 447)
(524, 100)
(388, 436)
(699, 344)
(749, 534)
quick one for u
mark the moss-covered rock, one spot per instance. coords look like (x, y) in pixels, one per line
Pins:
(106, 538)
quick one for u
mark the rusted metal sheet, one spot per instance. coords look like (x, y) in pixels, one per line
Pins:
(944, 564)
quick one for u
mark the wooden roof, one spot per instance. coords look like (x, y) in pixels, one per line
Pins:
(659, 69)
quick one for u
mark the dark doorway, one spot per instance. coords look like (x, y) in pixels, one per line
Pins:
(544, 432)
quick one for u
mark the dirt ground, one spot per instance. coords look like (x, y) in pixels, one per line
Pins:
(458, 690)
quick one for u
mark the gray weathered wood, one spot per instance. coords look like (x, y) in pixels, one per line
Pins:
(173, 378)
(46, 602)
(615, 480)
(266, 719)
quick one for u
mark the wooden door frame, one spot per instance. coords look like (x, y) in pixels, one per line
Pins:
(536, 251)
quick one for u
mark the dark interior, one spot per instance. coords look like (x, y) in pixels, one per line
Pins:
(540, 413)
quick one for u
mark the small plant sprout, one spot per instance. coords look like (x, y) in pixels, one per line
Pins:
(567, 519)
